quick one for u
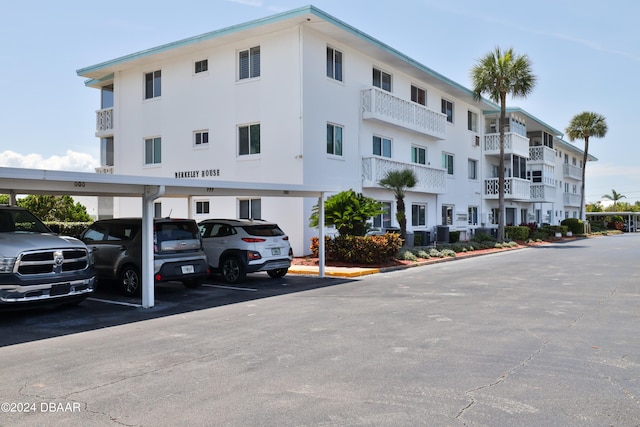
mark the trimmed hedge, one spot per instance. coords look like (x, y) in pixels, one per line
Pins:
(360, 249)
(575, 225)
(515, 232)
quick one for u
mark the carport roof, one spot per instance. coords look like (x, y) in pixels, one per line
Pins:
(40, 181)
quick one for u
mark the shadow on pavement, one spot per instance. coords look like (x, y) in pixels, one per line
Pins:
(107, 307)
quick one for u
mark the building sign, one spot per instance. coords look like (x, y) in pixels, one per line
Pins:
(203, 173)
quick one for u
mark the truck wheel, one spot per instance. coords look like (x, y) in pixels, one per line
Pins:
(130, 281)
(233, 270)
(277, 273)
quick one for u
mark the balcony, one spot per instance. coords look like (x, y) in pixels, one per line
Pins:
(542, 155)
(104, 122)
(105, 169)
(381, 105)
(572, 199)
(513, 144)
(430, 180)
(571, 171)
(543, 193)
(514, 189)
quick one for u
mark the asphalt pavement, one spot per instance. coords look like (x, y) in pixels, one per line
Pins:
(542, 336)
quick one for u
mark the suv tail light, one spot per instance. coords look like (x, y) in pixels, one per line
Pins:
(253, 240)
(285, 238)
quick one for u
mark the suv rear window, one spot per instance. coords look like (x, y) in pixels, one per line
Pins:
(167, 234)
(263, 230)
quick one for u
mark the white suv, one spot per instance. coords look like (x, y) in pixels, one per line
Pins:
(235, 247)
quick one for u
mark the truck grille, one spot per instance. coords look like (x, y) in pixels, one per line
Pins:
(52, 261)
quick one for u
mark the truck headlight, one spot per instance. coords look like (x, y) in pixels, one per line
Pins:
(6, 264)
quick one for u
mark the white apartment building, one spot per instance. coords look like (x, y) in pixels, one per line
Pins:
(303, 98)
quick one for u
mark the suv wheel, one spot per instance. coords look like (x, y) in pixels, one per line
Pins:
(277, 273)
(130, 281)
(233, 270)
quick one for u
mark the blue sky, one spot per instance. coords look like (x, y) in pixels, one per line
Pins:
(585, 53)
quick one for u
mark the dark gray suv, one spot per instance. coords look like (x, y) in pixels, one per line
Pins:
(116, 245)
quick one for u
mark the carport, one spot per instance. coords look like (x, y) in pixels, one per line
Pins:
(14, 181)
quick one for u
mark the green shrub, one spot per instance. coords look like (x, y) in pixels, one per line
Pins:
(73, 229)
(454, 236)
(422, 254)
(575, 225)
(482, 237)
(447, 253)
(517, 232)
(360, 249)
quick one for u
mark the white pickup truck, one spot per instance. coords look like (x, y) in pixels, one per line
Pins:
(38, 266)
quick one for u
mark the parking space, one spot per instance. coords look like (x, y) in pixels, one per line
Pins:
(108, 307)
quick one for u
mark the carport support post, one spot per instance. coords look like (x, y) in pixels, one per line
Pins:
(321, 237)
(151, 193)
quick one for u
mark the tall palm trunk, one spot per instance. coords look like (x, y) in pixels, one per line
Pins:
(502, 124)
(584, 168)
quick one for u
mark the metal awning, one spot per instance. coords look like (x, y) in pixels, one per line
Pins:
(14, 181)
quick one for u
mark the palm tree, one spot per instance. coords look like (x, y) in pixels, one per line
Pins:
(500, 73)
(583, 126)
(615, 196)
(399, 181)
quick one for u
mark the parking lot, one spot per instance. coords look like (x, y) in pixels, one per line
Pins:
(109, 307)
(538, 336)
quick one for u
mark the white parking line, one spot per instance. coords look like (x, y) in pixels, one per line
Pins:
(233, 288)
(128, 304)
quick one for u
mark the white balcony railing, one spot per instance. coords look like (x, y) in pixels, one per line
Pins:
(104, 122)
(105, 169)
(430, 180)
(571, 171)
(542, 154)
(514, 188)
(542, 193)
(572, 199)
(381, 105)
(513, 144)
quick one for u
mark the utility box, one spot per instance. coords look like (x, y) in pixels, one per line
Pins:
(442, 234)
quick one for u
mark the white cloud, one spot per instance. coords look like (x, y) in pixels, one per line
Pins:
(72, 161)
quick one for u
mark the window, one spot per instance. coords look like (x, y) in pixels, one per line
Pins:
(473, 215)
(381, 146)
(523, 215)
(419, 155)
(250, 209)
(152, 85)
(334, 64)
(201, 138)
(249, 140)
(447, 108)
(152, 151)
(535, 176)
(202, 207)
(106, 151)
(418, 215)
(382, 80)
(249, 63)
(106, 96)
(201, 66)
(519, 165)
(473, 169)
(472, 121)
(384, 219)
(495, 215)
(157, 210)
(447, 163)
(334, 140)
(418, 95)
(447, 214)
